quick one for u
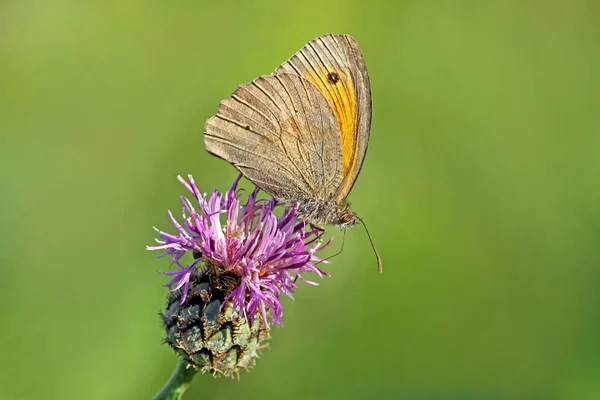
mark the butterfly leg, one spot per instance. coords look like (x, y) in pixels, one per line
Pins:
(320, 232)
(319, 229)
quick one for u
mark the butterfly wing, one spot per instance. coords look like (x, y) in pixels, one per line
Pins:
(280, 132)
(336, 66)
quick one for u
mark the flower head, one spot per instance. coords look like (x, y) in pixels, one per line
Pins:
(247, 249)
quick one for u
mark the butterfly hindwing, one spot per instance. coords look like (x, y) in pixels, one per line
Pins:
(281, 133)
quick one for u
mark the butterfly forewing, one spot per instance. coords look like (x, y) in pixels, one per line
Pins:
(336, 66)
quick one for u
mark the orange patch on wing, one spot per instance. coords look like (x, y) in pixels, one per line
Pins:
(338, 89)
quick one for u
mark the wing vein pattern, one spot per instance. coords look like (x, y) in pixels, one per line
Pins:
(281, 133)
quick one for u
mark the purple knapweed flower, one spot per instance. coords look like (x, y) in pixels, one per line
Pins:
(261, 253)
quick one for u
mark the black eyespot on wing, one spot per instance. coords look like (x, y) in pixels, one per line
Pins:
(333, 77)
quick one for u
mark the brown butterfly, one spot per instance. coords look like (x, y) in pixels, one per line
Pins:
(301, 134)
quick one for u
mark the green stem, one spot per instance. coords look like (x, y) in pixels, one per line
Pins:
(179, 382)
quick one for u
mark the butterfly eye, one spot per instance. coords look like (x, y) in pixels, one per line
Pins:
(197, 254)
(332, 77)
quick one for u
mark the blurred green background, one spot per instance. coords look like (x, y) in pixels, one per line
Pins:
(480, 188)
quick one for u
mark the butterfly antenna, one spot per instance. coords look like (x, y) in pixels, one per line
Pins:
(379, 265)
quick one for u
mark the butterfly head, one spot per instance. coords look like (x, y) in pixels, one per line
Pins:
(345, 217)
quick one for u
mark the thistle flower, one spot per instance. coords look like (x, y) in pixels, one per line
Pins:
(244, 259)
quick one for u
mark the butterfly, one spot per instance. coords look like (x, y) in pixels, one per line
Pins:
(301, 133)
